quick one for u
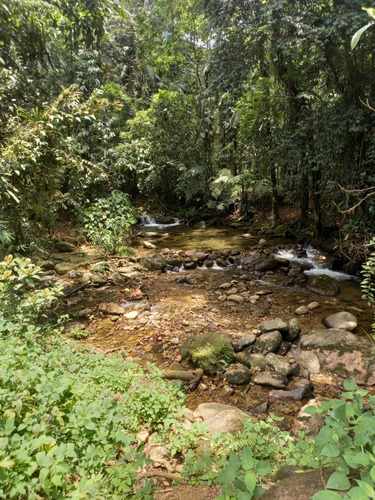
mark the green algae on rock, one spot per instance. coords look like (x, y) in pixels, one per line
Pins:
(209, 351)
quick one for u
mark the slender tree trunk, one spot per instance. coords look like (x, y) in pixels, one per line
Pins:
(318, 212)
(275, 196)
(304, 217)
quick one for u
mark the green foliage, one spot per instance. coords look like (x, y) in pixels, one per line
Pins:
(368, 282)
(346, 442)
(22, 304)
(107, 222)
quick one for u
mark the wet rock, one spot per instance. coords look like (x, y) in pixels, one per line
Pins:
(308, 360)
(313, 305)
(259, 262)
(236, 298)
(190, 265)
(268, 342)
(341, 352)
(237, 374)
(111, 308)
(299, 391)
(294, 329)
(301, 311)
(243, 342)
(148, 245)
(295, 272)
(164, 219)
(306, 422)
(271, 379)
(344, 320)
(220, 417)
(324, 285)
(154, 262)
(299, 486)
(221, 262)
(64, 246)
(273, 324)
(201, 256)
(209, 351)
(278, 364)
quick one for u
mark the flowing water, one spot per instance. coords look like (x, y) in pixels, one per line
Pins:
(179, 310)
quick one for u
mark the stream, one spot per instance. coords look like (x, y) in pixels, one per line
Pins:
(166, 308)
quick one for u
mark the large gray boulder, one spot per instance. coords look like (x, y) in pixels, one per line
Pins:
(259, 262)
(343, 353)
(344, 320)
(154, 262)
(220, 417)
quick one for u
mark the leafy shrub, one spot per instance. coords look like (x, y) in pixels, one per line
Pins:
(107, 222)
(346, 443)
(22, 304)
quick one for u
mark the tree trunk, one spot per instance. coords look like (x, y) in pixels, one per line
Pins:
(275, 196)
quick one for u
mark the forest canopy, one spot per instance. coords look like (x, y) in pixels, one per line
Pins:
(203, 104)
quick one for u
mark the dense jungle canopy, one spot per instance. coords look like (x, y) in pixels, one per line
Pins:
(197, 104)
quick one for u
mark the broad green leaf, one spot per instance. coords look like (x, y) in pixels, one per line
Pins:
(250, 481)
(247, 459)
(6, 463)
(356, 37)
(338, 481)
(227, 475)
(331, 450)
(326, 495)
(350, 385)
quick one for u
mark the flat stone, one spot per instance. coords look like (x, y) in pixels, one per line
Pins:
(76, 325)
(300, 391)
(301, 311)
(259, 262)
(236, 298)
(268, 342)
(220, 417)
(313, 305)
(154, 262)
(271, 379)
(273, 324)
(237, 374)
(111, 308)
(64, 246)
(344, 320)
(148, 245)
(278, 364)
(131, 315)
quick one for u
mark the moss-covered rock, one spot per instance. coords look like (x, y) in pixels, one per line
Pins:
(209, 351)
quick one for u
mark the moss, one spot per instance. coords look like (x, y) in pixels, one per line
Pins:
(209, 351)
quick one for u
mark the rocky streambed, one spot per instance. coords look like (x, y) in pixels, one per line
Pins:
(291, 335)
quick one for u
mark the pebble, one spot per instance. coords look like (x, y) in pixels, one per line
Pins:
(131, 315)
(301, 311)
(313, 305)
